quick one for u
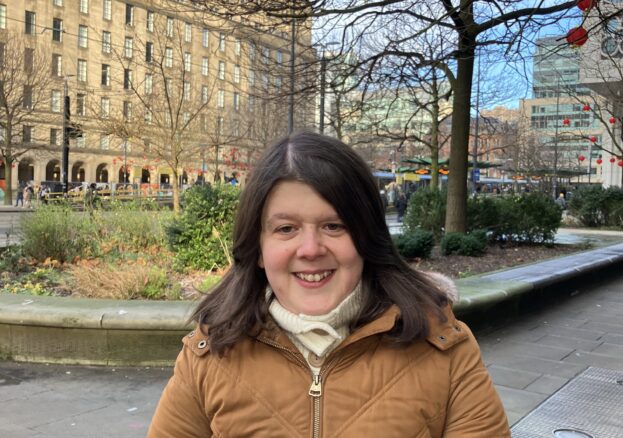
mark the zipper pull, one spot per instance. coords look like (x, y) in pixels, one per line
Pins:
(315, 390)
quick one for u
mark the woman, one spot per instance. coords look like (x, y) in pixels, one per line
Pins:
(319, 328)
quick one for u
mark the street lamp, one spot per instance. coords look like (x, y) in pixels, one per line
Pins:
(66, 133)
(323, 80)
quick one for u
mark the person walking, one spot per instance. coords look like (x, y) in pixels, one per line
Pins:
(20, 195)
(320, 328)
(28, 193)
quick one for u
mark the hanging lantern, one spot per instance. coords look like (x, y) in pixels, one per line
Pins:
(581, 158)
(586, 5)
(612, 160)
(586, 108)
(599, 161)
(566, 122)
(593, 139)
(577, 36)
(620, 163)
(612, 120)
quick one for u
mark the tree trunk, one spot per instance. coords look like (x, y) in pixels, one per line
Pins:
(8, 175)
(176, 192)
(434, 149)
(456, 207)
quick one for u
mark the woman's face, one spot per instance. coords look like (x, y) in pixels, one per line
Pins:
(306, 251)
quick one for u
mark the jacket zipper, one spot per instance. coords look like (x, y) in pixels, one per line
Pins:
(315, 390)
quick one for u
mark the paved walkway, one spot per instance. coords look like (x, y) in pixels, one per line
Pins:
(529, 358)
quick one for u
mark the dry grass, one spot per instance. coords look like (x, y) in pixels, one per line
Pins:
(99, 280)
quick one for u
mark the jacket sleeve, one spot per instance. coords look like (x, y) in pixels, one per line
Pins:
(180, 412)
(474, 407)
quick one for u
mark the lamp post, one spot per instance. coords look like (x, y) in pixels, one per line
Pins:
(323, 81)
(66, 121)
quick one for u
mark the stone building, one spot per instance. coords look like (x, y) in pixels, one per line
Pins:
(153, 84)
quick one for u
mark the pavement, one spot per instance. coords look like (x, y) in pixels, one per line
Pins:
(530, 357)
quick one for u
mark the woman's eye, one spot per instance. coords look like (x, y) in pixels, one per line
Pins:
(335, 227)
(285, 229)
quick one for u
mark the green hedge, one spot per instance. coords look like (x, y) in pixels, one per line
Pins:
(595, 206)
(201, 237)
(473, 244)
(531, 217)
(414, 244)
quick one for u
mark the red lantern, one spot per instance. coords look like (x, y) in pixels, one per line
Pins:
(586, 5)
(586, 108)
(566, 122)
(581, 158)
(612, 120)
(612, 159)
(593, 139)
(620, 163)
(577, 36)
(599, 161)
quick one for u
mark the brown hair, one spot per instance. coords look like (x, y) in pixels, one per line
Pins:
(238, 303)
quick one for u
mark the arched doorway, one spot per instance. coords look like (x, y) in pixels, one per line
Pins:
(124, 174)
(145, 176)
(53, 171)
(25, 170)
(184, 178)
(101, 173)
(164, 178)
(77, 172)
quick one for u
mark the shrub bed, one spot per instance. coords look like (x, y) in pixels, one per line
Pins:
(595, 206)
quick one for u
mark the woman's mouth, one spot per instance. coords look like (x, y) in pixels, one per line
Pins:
(316, 277)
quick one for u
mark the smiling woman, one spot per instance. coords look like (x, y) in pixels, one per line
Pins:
(320, 328)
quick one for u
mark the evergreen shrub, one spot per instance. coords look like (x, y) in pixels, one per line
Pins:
(414, 244)
(595, 206)
(201, 237)
(472, 245)
(426, 210)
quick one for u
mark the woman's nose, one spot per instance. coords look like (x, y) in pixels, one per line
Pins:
(311, 244)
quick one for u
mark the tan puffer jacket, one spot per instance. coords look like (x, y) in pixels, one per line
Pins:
(262, 387)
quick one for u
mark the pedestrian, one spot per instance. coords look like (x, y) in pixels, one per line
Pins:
(28, 193)
(319, 328)
(20, 195)
(401, 205)
(43, 194)
(561, 201)
(90, 197)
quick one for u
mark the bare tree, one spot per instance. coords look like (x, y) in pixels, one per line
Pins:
(25, 81)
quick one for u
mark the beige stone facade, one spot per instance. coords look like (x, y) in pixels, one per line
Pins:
(144, 75)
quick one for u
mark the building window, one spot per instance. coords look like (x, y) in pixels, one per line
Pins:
(81, 142)
(82, 70)
(129, 15)
(220, 125)
(168, 57)
(57, 29)
(237, 74)
(188, 32)
(221, 70)
(81, 104)
(251, 78)
(2, 16)
(55, 101)
(251, 51)
(30, 23)
(265, 55)
(237, 45)
(168, 86)
(265, 81)
(278, 82)
(57, 65)
(105, 75)
(205, 62)
(187, 61)
(127, 110)
(150, 21)
(237, 101)
(127, 79)
(186, 90)
(205, 94)
(221, 42)
(205, 37)
(279, 57)
(104, 142)
(106, 45)
(251, 103)
(104, 107)
(27, 98)
(29, 60)
(55, 137)
(149, 83)
(84, 6)
(128, 48)
(149, 51)
(148, 115)
(27, 133)
(83, 36)
(220, 99)
(107, 9)
(169, 28)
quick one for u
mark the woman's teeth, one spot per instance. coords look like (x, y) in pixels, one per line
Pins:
(313, 277)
